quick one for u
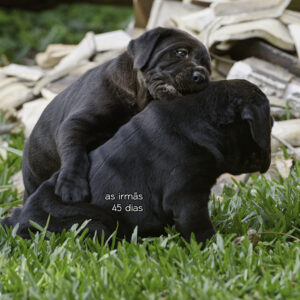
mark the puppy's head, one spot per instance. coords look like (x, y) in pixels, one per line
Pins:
(245, 123)
(170, 62)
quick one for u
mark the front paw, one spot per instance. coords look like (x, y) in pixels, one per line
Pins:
(160, 90)
(72, 188)
(167, 92)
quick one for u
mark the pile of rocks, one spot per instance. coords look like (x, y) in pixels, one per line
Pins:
(26, 90)
(251, 39)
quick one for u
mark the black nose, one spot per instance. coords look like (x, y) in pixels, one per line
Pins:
(197, 76)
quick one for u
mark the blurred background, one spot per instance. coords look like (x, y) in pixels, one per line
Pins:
(27, 27)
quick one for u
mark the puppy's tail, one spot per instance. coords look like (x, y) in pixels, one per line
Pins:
(43, 202)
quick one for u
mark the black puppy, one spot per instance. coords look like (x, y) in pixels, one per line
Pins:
(158, 169)
(160, 64)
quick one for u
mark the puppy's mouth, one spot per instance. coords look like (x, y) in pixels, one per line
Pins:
(255, 162)
(170, 89)
(163, 91)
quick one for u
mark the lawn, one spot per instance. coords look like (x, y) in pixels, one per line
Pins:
(70, 266)
(24, 33)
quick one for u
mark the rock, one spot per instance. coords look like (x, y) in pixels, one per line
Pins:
(114, 40)
(290, 17)
(274, 80)
(225, 179)
(277, 102)
(163, 13)
(287, 130)
(3, 151)
(224, 13)
(17, 181)
(7, 81)
(294, 104)
(7, 128)
(103, 57)
(224, 22)
(271, 30)
(14, 95)
(24, 72)
(280, 164)
(278, 112)
(245, 10)
(252, 237)
(295, 33)
(58, 86)
(196, 21)
(31, 112)
(48, 94)
(53, 55)
(80, 54)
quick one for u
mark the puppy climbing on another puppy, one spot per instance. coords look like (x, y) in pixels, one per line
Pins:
(161, 64)
(170, 156)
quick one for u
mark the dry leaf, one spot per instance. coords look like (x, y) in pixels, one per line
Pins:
(252, 236)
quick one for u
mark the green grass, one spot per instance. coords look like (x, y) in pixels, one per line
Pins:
(9, 166)
(23, 33)
(70, 266)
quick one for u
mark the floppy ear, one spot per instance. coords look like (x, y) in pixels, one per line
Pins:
(258, 119)
(140, 49)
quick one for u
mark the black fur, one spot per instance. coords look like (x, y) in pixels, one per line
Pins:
(171, 154)
(91, 110)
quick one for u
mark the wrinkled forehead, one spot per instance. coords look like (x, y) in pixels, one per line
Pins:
(180, 40)
(167, 45)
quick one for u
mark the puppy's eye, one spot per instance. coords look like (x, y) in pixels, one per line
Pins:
(182, 52)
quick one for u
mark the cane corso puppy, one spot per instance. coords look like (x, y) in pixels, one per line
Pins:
(158, 169)
(161, 64)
